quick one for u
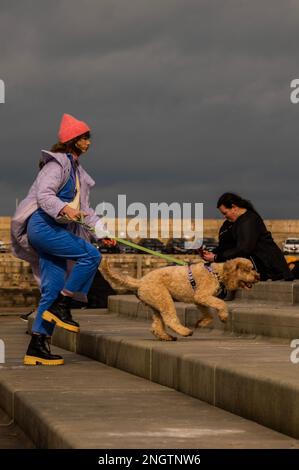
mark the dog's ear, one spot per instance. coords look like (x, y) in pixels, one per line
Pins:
(231, 266)
(243, 263)
(240, 264)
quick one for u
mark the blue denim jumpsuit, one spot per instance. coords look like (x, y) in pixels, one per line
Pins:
(55, 245)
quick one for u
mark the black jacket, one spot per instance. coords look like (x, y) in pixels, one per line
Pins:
(248, 237)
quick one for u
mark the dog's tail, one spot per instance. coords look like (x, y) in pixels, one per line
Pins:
(119, 279)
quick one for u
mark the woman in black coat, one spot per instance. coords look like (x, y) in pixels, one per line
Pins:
(244, 234)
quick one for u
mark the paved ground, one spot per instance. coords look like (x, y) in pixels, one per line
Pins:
(86, 404)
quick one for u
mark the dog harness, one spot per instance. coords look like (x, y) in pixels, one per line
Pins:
(191, 278)
(222, 291)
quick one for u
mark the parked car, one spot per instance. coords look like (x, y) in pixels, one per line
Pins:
(152, 243)
(290, 245)
(126, 249)
(108, 246)
(4, 247)
(177, 246)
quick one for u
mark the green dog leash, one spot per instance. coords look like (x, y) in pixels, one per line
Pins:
(138, 247)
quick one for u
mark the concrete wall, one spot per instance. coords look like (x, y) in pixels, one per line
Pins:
(5, 229)
(280, 229)
(18, 288)
(17, 285)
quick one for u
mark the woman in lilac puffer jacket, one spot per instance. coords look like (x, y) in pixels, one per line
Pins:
(44, 232)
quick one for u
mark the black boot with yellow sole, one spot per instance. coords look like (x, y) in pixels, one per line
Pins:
(60, 314)
(39, 353)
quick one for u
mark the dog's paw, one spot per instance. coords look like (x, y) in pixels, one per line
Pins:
(164, 336)
(186, 332)
(204, 322)
(169, 338)
(223, 316)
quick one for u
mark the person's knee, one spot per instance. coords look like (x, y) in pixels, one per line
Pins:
(95, 256)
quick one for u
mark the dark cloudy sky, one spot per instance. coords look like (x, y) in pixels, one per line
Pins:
(186, 98)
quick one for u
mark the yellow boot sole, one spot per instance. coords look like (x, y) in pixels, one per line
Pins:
(35, 361)
(50, 317)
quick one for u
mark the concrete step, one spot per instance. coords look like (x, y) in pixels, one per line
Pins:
(14, 311)
(252, 378)
(11, 436)
(250, 318)
(271, 291)
(272, 320)
(86, 404)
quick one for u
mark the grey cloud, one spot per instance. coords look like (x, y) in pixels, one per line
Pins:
(186, 99)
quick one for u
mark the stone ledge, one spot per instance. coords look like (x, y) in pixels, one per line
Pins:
(236, 374)
(271, 291)
(250, 318)
(85, 404)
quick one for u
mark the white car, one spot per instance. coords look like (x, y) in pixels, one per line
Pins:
(4, 247)
(290, 245)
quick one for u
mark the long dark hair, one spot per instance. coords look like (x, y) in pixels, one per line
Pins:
(67, 147)
(229, 199)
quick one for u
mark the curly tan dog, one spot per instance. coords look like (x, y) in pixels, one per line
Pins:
(159, 287)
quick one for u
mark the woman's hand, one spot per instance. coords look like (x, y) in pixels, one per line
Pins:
(208, 256)
(72, 214)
